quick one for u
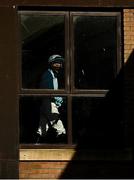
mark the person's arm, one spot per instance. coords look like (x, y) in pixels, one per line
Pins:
(46, 81)
(46, 110)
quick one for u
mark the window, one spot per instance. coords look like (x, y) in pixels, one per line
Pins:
(95, 51)
(90, 44)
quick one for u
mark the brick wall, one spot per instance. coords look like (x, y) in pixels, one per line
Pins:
(42, 170)
(75, 170)
(129, 73)
(53, 170)
(128, 32)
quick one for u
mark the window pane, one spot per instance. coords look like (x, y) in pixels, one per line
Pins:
(97, 122)
(82, 112)
(42, 36)
(95, 54)
(43, 119)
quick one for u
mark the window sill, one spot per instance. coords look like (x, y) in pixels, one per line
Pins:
(66, 154)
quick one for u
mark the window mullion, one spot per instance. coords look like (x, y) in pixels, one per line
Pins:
(69, 129)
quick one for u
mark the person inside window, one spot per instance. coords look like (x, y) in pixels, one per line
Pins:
(51, 128)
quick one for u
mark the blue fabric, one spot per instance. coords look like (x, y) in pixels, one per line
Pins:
(58, 101)
(47, 81)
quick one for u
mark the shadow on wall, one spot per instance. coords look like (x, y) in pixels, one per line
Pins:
(109, 134)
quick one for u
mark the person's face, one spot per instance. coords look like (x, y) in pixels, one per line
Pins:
(56, 66)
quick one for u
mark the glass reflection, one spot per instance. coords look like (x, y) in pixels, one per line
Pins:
(95, 41)
(43, 119)
(42, 36)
